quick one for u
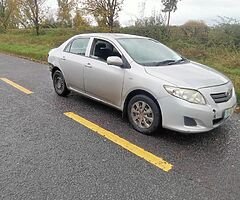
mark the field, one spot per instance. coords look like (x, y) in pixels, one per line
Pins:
(225, 59)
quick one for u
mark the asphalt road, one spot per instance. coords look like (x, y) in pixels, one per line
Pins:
(45, 155)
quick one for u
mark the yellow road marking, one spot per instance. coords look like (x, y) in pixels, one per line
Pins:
(151, 158)
(26, 91)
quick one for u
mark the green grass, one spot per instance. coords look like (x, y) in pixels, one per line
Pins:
(25, 43)
(29, 51)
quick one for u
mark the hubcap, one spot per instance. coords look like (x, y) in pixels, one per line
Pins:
(142, 114)
(59, 84)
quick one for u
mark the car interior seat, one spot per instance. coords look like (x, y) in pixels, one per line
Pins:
(102, 51)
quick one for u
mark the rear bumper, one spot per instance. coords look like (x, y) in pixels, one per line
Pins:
(206, 117)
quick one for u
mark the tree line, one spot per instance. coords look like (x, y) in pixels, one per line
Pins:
(70, 13)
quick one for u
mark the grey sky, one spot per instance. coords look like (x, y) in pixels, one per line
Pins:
(206, 10)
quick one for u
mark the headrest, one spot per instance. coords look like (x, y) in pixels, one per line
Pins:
(101, 46)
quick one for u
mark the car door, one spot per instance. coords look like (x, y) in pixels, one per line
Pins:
(101, 80)
(73, 61)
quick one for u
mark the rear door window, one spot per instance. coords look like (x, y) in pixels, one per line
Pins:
(79, 46)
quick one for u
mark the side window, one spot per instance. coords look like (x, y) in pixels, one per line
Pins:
(67, 48)
(79, 46)
(102, 49)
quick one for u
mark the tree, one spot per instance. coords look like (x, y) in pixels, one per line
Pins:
(79, 21)
(169, 6)
(156, 19)
(141, 9)
(104, 11)
(65, 8)
(32, 12)
(49, 22)
(7, 8)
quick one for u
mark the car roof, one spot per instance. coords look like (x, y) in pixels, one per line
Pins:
(110, 35)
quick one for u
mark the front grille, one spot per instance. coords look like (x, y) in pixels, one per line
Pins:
(222, 97)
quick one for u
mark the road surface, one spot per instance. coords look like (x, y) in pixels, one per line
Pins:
(46, 155)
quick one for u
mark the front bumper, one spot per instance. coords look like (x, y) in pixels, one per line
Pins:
(175, 111)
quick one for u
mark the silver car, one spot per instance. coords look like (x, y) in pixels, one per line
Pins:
(151, 84)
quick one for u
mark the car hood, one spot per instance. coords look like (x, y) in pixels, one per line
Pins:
(188, 75)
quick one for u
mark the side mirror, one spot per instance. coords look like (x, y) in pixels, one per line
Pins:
(115, 60)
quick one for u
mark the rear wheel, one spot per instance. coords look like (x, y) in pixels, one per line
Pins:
(144, 114)
(59, 84)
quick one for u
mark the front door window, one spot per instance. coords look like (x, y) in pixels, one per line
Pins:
(102, 49)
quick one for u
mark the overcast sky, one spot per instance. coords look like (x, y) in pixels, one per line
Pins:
(207, 10)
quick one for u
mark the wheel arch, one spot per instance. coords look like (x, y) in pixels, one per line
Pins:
(54, 68)
(138, 92)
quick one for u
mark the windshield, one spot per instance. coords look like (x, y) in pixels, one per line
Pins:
(149, 52)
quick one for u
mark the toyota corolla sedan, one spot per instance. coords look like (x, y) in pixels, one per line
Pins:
(151, 84)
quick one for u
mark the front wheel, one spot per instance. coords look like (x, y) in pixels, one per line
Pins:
(59, 84)
(144, 114)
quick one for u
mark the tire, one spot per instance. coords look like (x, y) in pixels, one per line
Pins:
(60, 84)
(144, 114)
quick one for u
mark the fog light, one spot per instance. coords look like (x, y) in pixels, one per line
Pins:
(189, 121)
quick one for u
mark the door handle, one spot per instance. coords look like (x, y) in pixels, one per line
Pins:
(88, 65)
(63, 58)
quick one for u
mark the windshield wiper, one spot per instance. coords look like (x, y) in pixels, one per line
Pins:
(162, 63)
(182, 60)
(166, 62)
(172, 62)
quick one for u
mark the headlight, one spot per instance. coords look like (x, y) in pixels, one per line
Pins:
(189, 95)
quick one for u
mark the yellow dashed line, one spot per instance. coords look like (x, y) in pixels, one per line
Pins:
(26, 91)
(151, 158)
